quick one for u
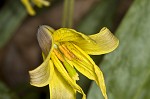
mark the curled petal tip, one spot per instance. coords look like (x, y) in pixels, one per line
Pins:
(44, 40)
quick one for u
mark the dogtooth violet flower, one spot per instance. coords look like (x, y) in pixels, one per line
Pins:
(29, 5)
(65, 51)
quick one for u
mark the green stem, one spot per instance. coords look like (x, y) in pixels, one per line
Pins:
(71, 12)
(65, 13)
(67, 20)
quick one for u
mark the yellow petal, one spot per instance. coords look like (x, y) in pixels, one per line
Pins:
(84, 64)
(45, 39)
(105, 42)
(59, 89)
(40, 3)
(41, 75)
(101, 43)
(65, 75)
(29, 7)
(65, 34)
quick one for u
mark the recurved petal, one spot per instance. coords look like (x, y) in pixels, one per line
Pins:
(41, 75)
(85, 65)
(101, 43)
(105, 42)
(65, 75)
(45, 39)
(59, 89)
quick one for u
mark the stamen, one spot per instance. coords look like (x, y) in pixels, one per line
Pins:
(58, 54)
(66, 52)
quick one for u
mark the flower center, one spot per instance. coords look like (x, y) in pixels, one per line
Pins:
(62, 52)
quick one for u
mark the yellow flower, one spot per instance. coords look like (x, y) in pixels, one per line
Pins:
(65, 51)
(29, 6)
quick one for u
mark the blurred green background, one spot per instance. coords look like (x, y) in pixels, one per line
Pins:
(126, 70)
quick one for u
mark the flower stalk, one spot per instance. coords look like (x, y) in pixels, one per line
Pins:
(68, 10)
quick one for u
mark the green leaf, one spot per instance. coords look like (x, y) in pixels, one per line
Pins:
(11, 16)
(127, 70)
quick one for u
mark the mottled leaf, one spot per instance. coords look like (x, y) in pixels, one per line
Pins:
(127, 70)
